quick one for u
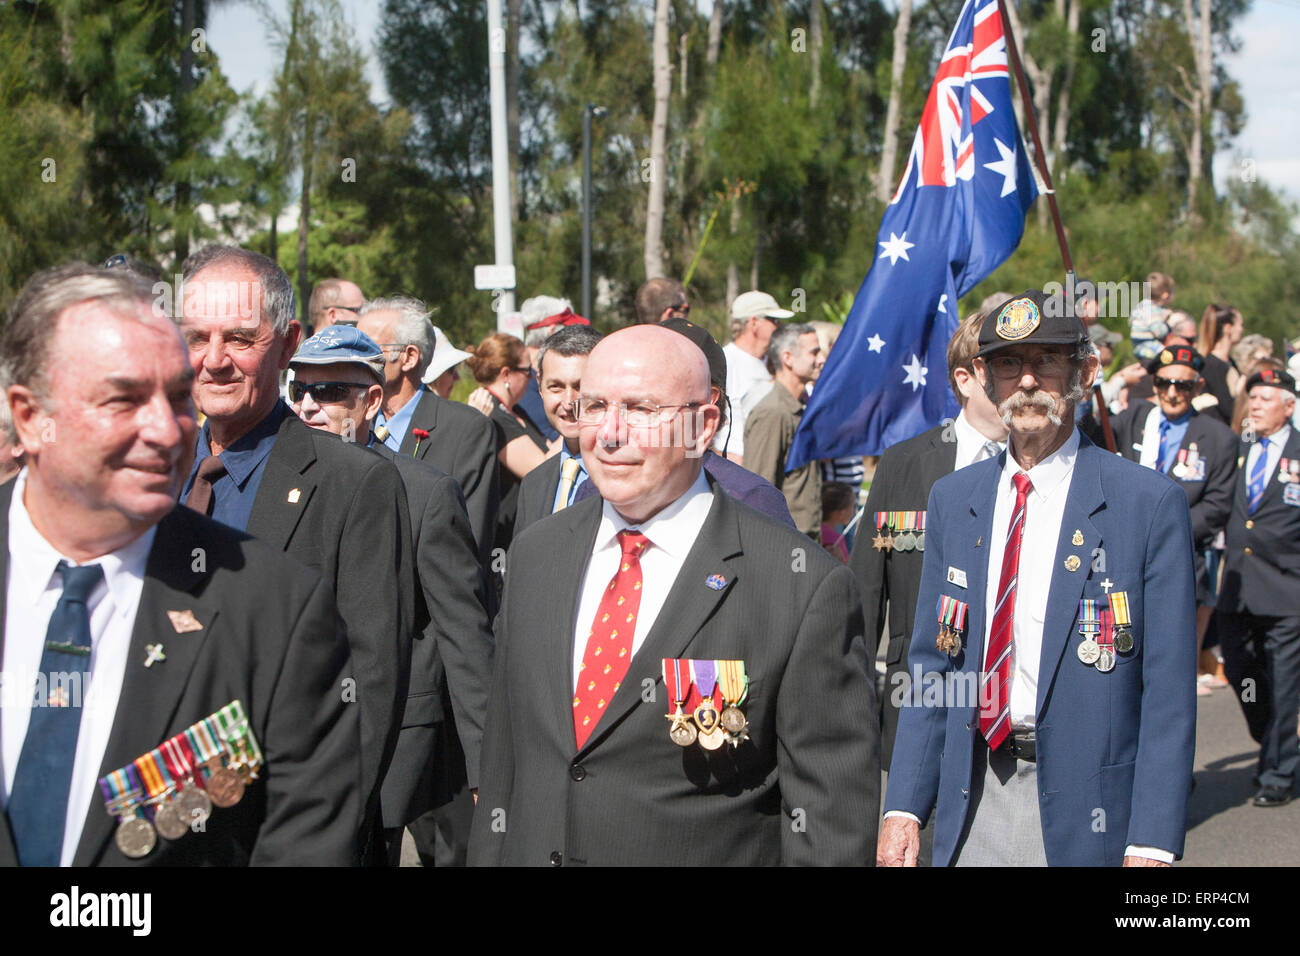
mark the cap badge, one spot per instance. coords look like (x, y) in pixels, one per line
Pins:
(1018, 318)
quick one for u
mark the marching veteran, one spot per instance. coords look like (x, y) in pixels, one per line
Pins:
(1056, 624)
(653, 704)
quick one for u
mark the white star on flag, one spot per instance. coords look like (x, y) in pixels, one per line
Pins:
(896, 248)
(915, 373)
(942, 299)
(1004, 167)
(875, 343)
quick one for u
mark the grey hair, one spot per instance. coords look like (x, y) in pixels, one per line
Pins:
(785, 339)
(412, 327)
(34, 317)
(569, 340)
(735, 327)
(278, 300)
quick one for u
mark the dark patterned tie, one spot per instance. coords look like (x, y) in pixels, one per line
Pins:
(38, 805)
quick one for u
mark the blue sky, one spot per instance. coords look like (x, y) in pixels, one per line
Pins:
(1265, 67)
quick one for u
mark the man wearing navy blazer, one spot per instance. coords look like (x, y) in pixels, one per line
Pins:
(578, 766)
(1042, 731)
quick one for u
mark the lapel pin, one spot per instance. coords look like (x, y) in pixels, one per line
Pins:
(1072, 563)
(294, 495)
(1077, 540)
(716, 582)
(979, 541)
(184, 621)
(155, 652)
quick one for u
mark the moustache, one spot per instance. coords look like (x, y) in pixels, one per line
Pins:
(1039, 401)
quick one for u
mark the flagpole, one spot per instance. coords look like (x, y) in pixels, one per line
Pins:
(1041, 157)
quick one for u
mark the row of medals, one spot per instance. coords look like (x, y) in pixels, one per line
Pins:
(888, 539)
(177, 808)
(1102, 656)
(708, 727)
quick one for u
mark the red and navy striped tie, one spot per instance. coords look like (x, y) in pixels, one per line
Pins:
(995, 689)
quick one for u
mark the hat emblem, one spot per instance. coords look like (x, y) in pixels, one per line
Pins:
(1018, 318)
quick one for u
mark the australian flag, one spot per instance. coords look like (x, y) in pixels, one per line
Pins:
(958, 213)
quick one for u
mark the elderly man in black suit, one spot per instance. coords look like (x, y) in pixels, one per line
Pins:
(626, 609)
(887, 568)
(185, 616)
(338, 388)
(333, 506)
(416, 422)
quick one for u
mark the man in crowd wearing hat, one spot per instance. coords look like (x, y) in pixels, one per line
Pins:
(885, 559)
(552, 485)
(334, 301)
(1259, 613)
(415, 422)
(328, 504)
(795, 357)
(754, 317)
(541, 316)
(660, 299)
(338, 388)
(1194, 450)
(655, 602)
(1055, 634)
(185, 616)
(444, 366)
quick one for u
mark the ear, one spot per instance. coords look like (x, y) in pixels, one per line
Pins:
(967, 384)
(31, 422)
(1090, 367)
(290, 344)
(981, 372)
(374, 399)
(410, 358)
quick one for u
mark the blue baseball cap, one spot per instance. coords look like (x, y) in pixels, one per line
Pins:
(341, 345)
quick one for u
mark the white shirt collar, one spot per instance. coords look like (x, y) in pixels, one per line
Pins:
(1048, 474)
(968, 436)
(34, 560)
(673, 530)
(1279, 438)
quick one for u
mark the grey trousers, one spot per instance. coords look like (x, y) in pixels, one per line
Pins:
(1004, 827)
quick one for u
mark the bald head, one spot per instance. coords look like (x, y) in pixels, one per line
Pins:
(645, 458)
(334, 300)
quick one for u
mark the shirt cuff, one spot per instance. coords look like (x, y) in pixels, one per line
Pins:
(1149, 852)
(904, 814)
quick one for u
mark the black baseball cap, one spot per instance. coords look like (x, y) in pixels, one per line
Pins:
(713, 353)
(1031, 318)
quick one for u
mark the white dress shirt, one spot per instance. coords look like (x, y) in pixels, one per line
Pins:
(1276, 442)
(33, 589)
(748, 380)
(971, 445)
(671, 533)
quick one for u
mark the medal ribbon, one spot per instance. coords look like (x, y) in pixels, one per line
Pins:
(732, 680)
(880, 520)
(920, 518)
(705, 673)
(960, 612)
(203, 740)
(673, 674)
(1119, 608)
(1088, 622)
(175, 761)
(1107, 635)
(150, 773)
(185, 744)
(133, 787)
(238, 728)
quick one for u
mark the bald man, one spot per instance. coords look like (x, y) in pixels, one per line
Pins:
(679, 679)
(334, 301)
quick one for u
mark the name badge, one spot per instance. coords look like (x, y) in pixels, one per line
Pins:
(1291, 495)
(956, 576)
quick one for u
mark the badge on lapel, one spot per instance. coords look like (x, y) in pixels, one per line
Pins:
(184, 621)
(1291, 495)
(715, 582)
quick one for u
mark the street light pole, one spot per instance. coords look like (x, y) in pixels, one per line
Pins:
(501, 225)
(588, 112)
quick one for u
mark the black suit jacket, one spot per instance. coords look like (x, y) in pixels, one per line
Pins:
(537, 493)
(803, 789)
(462, 443)
(1210, 500)
(342, 511)
(890, 580)
(271, 639)
(452, 649)
(1261, 566)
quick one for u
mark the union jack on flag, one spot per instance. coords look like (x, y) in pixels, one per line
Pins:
(958, 213)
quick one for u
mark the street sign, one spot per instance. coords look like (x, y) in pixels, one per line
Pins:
(494, 277)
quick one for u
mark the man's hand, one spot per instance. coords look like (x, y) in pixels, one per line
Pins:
(1132, 374)
(1142, 861)
(480, 400)
(899, 843)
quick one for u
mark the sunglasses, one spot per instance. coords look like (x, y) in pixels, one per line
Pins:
(1183, 385)
(323, 393)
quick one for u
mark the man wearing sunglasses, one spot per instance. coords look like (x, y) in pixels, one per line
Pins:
(337, 388)
(1195, 450)
(334, 301)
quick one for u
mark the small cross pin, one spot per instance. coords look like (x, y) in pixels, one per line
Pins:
(1107, 585)
(155, 652)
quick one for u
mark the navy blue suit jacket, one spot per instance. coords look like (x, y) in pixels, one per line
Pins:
(1114, 749)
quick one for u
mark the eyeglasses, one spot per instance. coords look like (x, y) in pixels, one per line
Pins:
(385, 346)
(524, 370)
(323, 393)
(1182, 384)
(115, 261)
(350, 308)
(1013, 366)
(591, 411)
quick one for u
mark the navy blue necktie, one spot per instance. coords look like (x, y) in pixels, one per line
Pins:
(38, 805)
(1161, 454)
(1255, 484)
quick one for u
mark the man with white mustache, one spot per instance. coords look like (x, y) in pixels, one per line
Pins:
(1061, 580)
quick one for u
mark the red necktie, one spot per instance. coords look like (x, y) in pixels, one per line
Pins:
(995, 691)
(609, 643)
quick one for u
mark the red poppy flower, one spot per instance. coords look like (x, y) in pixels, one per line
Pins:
(420, 434)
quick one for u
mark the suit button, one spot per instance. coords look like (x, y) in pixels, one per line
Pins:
(964, 792)
(968, 726)
(578, 772)
(1249, 524)
(1248, 551)
(556, 858)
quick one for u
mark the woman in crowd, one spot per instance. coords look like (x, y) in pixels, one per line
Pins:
(1221, 329)
(500, 365)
